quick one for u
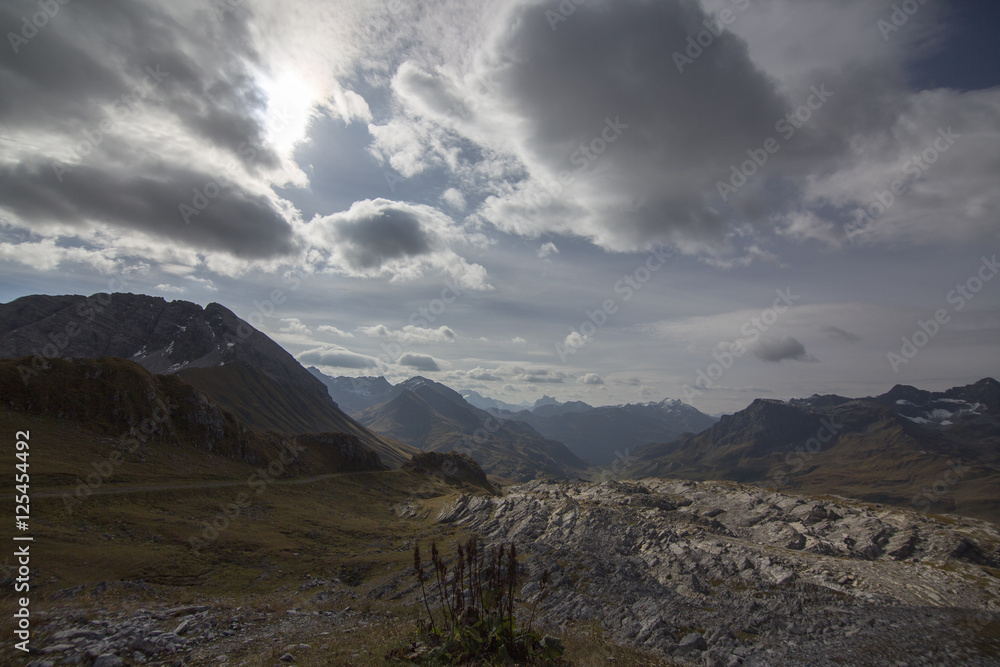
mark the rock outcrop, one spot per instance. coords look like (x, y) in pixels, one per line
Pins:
(728, 574)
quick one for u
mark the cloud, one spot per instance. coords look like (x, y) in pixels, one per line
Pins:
(547, 250)
(420, 362)
(517, 340)
(411, 334)
(45, 255)
(483, 374)
(112, 139)
(203, 283)
(335, 355)
(169, 289)
(540, 376)
(454, 198)
(394, 240)
(778, 349)
(590, 379)
(575, 340)
(334, 331)
(837, 333)
(593, 130)
(293, 325)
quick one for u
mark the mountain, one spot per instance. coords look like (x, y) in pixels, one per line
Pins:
(486, 403)
(113, 416)
(935, 451)
(354, 395)
(543, 401)
(436, 418)
(240, 368)
(600, 435)
(557, 409)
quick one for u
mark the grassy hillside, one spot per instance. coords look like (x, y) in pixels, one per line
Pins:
(290, 409)
(875, 456)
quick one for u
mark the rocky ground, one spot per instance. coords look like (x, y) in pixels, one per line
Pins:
(702, 573)
(193, 635)
(725, 574)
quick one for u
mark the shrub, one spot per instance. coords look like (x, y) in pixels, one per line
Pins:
(475, 619)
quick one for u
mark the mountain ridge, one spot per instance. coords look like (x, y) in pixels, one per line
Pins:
(209, 347)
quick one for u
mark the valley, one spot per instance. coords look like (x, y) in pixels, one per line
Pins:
(221, 508)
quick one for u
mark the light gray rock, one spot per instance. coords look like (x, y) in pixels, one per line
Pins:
(795, 579)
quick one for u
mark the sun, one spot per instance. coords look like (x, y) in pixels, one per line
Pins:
(290, 104)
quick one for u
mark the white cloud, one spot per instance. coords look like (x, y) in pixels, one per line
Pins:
(204, 283)
(590, 379)
(454, 198)
(547, 250)
(483, 374)
(334, 331)
(293, 325)
(411, 334)
(337, 356)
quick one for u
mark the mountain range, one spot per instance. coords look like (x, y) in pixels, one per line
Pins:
(936, 451)
(238, 367)
(436, 418)
(596, 435)
(89, 359)
(603, 434)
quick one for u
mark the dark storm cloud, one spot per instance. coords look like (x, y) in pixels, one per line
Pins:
(616, 61)
(93, 69)
(420, 362)
(235, 220)
(91, 54)
(779, 349)
(682, 129)
(386, 234)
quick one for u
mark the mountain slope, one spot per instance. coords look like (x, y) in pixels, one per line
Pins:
(599, 435)
(210, 347)
(131, 425)
(436, 418)
(354, 395)
(882, 449)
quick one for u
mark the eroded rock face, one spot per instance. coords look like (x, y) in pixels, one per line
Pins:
(763, 578)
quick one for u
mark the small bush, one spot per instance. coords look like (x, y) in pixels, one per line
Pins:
(475, 622)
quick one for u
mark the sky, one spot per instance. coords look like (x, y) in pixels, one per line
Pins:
(602, 200)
